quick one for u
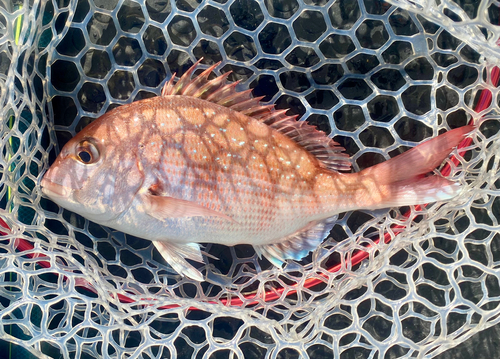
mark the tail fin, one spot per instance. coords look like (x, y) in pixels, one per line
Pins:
(420, 190)
(401, 179)
(419, 160)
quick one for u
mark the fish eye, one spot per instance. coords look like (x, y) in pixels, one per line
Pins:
(85, 156)
(87, 153)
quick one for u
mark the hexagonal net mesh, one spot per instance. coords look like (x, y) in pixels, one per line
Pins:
(401, 282)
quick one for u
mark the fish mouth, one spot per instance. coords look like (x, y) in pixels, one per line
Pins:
(51, 189)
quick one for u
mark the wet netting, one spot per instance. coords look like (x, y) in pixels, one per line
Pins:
(380, 78)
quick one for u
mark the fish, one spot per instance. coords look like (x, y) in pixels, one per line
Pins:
(205, 163)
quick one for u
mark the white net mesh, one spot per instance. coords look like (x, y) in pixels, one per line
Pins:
(379, 78)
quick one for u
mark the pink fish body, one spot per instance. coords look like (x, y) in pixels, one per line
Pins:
(205, 164)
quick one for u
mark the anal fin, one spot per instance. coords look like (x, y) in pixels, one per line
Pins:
(176, 254)
(297, 245)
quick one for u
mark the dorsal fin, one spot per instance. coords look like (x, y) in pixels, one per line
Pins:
(218, 90)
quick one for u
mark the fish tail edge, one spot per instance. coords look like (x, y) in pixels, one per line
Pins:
(419, 160)
(402, 180)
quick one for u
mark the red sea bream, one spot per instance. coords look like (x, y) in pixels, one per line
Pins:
(203, 163)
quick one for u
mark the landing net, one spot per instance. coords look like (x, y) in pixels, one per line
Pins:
(381, 78)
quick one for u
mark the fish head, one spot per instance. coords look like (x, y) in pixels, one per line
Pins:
(94, 177)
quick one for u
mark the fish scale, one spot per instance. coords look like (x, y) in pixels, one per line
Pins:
(211, 159)
(181, 170)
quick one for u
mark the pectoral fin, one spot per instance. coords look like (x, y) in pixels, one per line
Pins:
(176, 254)
(162, 207)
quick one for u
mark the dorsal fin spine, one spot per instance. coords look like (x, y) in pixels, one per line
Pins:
(185, 79)
(268, 119)
(250, 103)
(236, 98)
(199, 81)
(223, 92)
(258, 111)
(211, 86)
(167, 89)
